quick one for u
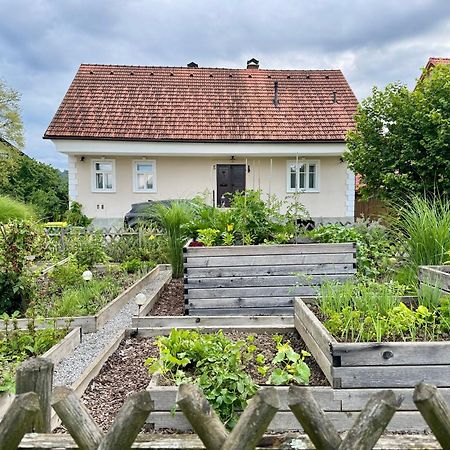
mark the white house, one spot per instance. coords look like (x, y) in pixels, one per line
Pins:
(135, 133)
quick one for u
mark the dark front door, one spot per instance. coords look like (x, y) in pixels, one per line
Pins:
(230, 178)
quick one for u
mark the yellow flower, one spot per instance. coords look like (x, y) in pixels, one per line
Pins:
(230, 227)
(152, 237)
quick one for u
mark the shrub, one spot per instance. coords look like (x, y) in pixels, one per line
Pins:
(75, 216)
(87, 248)
(14, 210)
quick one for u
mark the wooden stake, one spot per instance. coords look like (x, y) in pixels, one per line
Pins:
(128, 423)
(76, 418)
(36, 375)
(371, 422)
(434, 410)
(18, 420)
(254, 421)
(201, 416)
(313, 420)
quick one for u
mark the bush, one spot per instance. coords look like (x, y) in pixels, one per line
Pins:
(75, 216)
(87, 248)
(19, 240)
(14, 210)
(374, 249)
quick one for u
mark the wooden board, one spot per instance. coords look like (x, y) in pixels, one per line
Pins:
(391, 353)
(264, 260)
(262, 281)
(63, 348)
(251, 292)
(240, 311)
(257, 302)
(308, 269)
(202, 321)
(438, 276)
(390, 376)
(282, 249)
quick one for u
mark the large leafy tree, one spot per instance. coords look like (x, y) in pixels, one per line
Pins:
(22, 177)
(401, 143)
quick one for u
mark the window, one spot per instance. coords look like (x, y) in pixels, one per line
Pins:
(144, 175)
(303, 176)
(104, 176)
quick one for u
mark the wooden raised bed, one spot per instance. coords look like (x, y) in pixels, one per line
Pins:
(436, 276)
(54, 354)
(260, 279)
(372, 364)
(90, 324)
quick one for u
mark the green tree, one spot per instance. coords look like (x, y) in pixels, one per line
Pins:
(401, 143)
(21, 177)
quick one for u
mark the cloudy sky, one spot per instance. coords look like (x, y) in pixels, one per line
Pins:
(374, 42)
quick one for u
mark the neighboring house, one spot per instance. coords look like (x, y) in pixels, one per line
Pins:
(432, 62)
(135, 133)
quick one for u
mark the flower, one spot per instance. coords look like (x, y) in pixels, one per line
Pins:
(152, 237)
(230, 227)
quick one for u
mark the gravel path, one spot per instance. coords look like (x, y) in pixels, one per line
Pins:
(70, 368)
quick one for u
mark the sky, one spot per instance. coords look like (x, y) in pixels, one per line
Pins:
(374, 42)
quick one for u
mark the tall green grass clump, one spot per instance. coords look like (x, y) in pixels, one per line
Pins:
(424, 225)
(14, 210)
(173, 219)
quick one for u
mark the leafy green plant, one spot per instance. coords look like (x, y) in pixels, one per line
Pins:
(174, 219)
(87, 248)
(208, 236)
(136, 265)
(213, 362)
(75, 216)
(291, 365)
(375, 252)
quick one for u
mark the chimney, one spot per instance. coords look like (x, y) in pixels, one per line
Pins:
(193, 65)
(253, 64)
(276, 100)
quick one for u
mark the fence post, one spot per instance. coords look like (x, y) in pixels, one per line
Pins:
(36, 375)
(434, 410)
(371, 422)
(18, 420)
(76, 418)
(313, 420)
(201, 416)
(129, 421)
(254, 421)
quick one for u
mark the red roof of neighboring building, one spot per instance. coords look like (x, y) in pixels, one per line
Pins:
(204, 104)
(433, 61)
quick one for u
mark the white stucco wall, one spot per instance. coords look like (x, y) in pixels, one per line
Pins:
(185, 177)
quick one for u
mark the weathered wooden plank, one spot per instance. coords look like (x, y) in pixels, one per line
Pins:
(391, 353)
(391, 376)
(406, 421)
(355, 399)
(64, 347)
(308, 269)
(264, 260)
(165, 273)
(201, 321)
(258, 302)
(262, 281)
(282, 249)
(192, 442)
(240, 311)
(164, 397)
(323, 359)
(314, 327)
(251, 292)
(438, 276)
(151, 332)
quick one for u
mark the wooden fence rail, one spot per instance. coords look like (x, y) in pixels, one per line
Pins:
(248, 433)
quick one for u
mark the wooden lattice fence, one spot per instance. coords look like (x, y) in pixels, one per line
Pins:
(31, 411)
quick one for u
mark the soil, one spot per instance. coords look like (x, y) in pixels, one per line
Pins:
(124, 372)
(171, 301)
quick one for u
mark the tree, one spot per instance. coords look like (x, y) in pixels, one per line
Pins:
(401, 143)
(21, 177)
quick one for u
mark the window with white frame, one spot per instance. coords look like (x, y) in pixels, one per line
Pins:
(144, 175)
(303, 176)
(103, 176)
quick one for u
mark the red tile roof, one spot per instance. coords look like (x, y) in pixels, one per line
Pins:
(433, 61)
(204, 104)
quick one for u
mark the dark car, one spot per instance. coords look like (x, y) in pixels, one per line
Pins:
(144, 212)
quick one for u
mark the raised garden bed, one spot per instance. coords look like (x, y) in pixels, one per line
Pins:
(373, 364)
(260, 279)
(55, 354)
(90, 324)
(436, 276)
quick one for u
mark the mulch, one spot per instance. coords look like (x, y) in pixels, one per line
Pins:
(171, 301)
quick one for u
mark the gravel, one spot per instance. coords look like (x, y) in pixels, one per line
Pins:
(71, 368)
